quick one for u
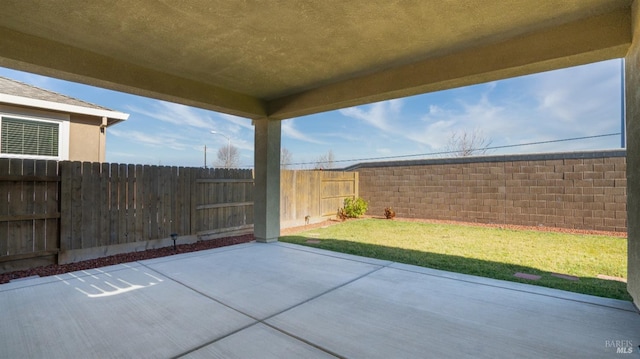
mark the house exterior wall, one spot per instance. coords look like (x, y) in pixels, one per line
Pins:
(86, 141)
(632, 96)
(567, 190)
(82, 138)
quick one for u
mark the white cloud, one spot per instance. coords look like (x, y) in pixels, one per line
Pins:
(156, 139)
(382, 115)
(175, 114)
(236, 125)
(440, 123)
(574, 102)
(578, 94)
(289, 130)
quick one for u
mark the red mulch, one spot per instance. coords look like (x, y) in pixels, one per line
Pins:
(54, 269)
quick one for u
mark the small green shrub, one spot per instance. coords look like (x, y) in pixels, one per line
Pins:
(354, 208)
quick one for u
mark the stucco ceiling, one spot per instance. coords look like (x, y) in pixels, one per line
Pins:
(283, 59)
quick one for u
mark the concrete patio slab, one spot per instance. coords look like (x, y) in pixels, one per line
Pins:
(122, 313)
(259, 341)
(397, 313)
(262, 280)
(286, 301)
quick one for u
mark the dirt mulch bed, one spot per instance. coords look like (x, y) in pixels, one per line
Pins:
(54, 269)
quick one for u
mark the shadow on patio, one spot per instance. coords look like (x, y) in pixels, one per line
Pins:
(466, 265)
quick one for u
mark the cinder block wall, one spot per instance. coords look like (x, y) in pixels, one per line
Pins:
(581, 190)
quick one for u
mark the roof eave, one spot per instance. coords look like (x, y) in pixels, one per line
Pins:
(61, 107)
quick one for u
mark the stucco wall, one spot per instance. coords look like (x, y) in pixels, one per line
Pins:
(569, 190)
(86, 141)
(632, 79)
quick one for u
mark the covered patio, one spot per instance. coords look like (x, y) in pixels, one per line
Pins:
(279, 300)
(276, 60)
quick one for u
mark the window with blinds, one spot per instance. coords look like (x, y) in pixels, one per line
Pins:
(32, 138)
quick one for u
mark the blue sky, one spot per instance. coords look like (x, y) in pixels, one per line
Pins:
(575, 102)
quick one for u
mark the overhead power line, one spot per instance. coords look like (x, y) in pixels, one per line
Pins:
(429, 154)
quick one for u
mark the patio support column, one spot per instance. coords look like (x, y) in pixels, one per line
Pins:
(267, 180)
(632, 99)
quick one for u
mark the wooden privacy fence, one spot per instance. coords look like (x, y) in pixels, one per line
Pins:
(60, 212)
(111, 208)
(29, 211)
(68, 211)
(316, 194)
(223, 201)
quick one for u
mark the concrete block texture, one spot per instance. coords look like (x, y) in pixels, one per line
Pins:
(542, 191)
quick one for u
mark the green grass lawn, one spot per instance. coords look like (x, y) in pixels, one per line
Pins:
(488, 252)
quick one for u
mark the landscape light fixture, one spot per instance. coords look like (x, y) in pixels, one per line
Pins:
(174, 237)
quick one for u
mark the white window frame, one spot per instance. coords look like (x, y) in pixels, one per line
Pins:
(63, 132)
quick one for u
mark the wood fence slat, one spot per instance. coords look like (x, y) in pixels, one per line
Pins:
(161, 196)
(180, 201)
(220, 196)
(113, 203)
(212, 219)
(188, 204)
(53, 207)
(229, 192)
(166, 194)
(238, 212)
(4, 207)
(249, 192)
(196, 192)
(40, 208)
(76, 205)
(131, 203)
(97, 216)
(176, 216)
(285, 195)
(173, 184)
(139, 204)
(87, 227)
(356, 183)
(152, 183)
(316, 192)
(122, 203)
(65, 205)
(209, 217)
(147, 195)
(29, 198)
(104, 203)
(16, 206)
(206, 196)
